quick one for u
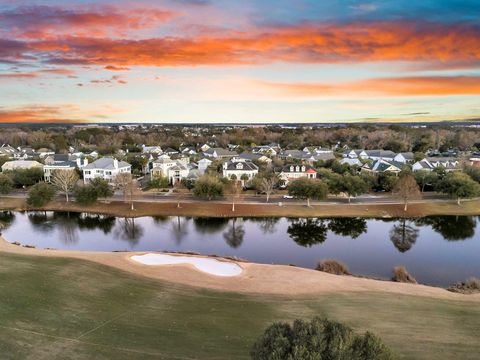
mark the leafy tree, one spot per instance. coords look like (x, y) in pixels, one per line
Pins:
(208, 187)
(473, 172)
(26, 177)
(386, 181)
(86, 194)
(308, 232)
(459, 185)
(406, 188)
(426, 178)
(354, 185)
(317, 339)
(6, 184)
(305, 188)
(102, 187)
(65, 181)
(158, 182)
(40, 194)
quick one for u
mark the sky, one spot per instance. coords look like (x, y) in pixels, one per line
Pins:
(210, 61)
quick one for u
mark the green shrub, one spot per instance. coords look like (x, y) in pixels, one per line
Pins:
(40, 194)
(86, 194)
(6, 184)
(208, 187)
(317, 339)
(26, 177)
(333, 267)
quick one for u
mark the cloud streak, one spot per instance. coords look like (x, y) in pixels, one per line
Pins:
(400, 86)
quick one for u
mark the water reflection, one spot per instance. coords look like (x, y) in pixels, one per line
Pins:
(180, 229)
(404, 235)
(235, 233)
(452, 228)
(205, 225)
(128, 230)
(307, 232)
(267, 224)
(94, 221)
(6, 219)
(352, 227)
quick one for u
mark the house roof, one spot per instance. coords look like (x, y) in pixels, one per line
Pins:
(106, 163)
(293, 169)
(221, 152)
(247, 165)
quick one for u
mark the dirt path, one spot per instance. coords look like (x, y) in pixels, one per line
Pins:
(255, 278)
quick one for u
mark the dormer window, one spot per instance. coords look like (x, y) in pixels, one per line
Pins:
(303, 168)
(297, 169)
(291, 168)
(239, 166)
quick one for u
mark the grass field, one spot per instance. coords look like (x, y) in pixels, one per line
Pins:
(216, 209)
(55, 308)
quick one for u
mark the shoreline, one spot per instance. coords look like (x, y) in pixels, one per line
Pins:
(277, 280)
(222, 209)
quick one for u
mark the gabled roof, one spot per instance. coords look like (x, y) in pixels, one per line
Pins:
(307, 169)
(220, 152)
(106, 163)
(247, 165)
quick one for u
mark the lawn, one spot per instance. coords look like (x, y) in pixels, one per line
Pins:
(55, 308)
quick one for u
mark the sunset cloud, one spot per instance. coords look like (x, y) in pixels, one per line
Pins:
(402, 86)
(38, 113)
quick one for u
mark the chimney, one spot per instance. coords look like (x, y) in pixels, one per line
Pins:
(115, 163)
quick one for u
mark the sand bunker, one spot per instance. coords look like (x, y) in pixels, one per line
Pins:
(211, 266)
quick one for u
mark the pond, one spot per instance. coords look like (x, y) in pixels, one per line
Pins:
(436, 250)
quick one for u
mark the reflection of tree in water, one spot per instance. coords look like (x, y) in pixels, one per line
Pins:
(128, 230)
(160, 219)
(403, 235)
(6, 219)
(41, 221)
(267, 224)
(179, 228)
(209, 225)
(307, 232)
(234, 234)
(353, 227)
(96, 221)
(451, 227)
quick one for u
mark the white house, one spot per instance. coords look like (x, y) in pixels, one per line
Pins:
(423, 164)
(404, 157)
(174, 170)
(428, 164)
(203, 165)
(204, 147)
(106, 168)
(152, 149)
(238, 168)
(9, 152)
(293, 172)
(61, 162)
(351, 162)
(381, 165)
(354, 154)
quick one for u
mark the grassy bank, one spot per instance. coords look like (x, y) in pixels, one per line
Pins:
(60, 308)
(217, 209)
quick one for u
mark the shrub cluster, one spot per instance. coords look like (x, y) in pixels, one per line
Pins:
(400, 274)
(333, 267)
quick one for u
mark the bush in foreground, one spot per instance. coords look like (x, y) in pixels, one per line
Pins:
(86, 194)
(317, 339)
(40, 194)
(400, 274)
(333, 267)
(470, 286)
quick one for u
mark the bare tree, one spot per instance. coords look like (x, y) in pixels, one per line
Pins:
(65, 181)
(407, 189)
(234, 189)
(125, 183)
(267, 186)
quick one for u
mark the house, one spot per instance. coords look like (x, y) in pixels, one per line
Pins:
(203, 165)
(9, 152)
(475, 162)
(62, 162)
(238, 168)
(174, 170)
(255, 157)
(157, 150)
(381, 166)
(351, 162)
(313, 150)
(375, 155)
(204, 147)
(170, 151)
(106, 168)
(428, 164)
(289, 173)
(43, 152)
(355, 154)
(422, 165)
(26, 153)
(404, 157)
(270, 150)
(219, 153)
(188, 150)
(293, 154)
(21, 165)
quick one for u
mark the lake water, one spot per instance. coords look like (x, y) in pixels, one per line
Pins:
(437, 250)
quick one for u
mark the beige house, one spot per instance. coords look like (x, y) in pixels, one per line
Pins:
(21, 164)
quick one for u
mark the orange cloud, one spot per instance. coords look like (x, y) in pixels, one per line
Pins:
(116, 68)
(402, 86)
(38, 114)
(323, 43)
